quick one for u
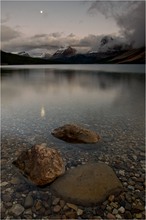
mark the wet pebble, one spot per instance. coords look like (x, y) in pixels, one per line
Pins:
(115, 211)
(121, 209)
(28, 203)
(16, 210)
(55, 201)
(110, 216)
(6, 198)
(111, 198)
(79, 212)
(72, 206)
(56, 208)
(15, 181)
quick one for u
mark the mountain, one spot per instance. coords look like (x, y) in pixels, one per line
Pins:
(64, 52)
(45, 56)
(23, 53)
(105, 40)
(134, 56)
(131, 56)
(15, 59)
(109, 44)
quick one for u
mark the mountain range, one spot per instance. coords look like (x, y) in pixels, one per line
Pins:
(107, 52)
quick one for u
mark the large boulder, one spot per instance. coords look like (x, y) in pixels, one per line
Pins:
(88, 184)
(40, 164)
(75, 134)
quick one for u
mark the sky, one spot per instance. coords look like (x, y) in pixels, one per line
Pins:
(45, 26)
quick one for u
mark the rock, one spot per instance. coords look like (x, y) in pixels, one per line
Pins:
(110, 216)
(28, 212)
(118, 216)
(8, 205)
(28, 203)
(115, 211)
(121, 209)
(6, 198)
(87, 184)
(62, 203)
(109, 208)
(17, 210)
(131, 188)
(40, 164)
(141, 188)
(128, 206)
(56, 208)
(72, 206)
(4, 183)
(75, 134)
(138, 215)
(138, 207)
(122, 172)
(131, 183)
(114, 204)
(111, 198)
(128, 215)
(79, 212)
(55, 201)
(15, 181)
(71, 214)
(38, 205)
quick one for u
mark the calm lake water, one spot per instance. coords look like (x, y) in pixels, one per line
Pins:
(106, 98)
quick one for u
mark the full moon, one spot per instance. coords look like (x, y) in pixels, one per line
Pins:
(41, 12)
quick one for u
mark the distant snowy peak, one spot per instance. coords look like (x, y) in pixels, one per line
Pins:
(110, 44)
(23, 53)
(46, 55)
(68, 51)
(106, 40)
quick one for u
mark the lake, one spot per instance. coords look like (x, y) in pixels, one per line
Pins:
(109, 99)
(105, 98)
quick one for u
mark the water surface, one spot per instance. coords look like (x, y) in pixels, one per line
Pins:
(106, 98)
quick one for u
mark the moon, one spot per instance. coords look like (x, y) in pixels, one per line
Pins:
(41, 12)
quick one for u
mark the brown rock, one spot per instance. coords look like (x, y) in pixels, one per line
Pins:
(79, 212)
(40, 164)
(87, 184)
(72, 206)
(62, 203)
(38, 205)
(56, 208)
(55, 201)
(110, 216)
(111, 198)
(71, 214)
(75, 134)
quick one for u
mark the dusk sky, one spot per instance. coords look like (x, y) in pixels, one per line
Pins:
(45, 26)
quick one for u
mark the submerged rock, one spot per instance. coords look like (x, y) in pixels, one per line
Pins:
(40, 164)
(75, 134)
(88, 184)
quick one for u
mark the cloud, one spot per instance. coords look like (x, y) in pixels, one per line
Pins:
(5, 19)
(8, 33)
(56, 34)
(40, 36)
(16, 42)
(129, 16)
(13, 41)
(71, 35)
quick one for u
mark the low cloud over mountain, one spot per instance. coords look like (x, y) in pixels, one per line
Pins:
(14, 41)
(129, 16)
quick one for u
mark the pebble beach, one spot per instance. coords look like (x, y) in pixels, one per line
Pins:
(23, 200)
